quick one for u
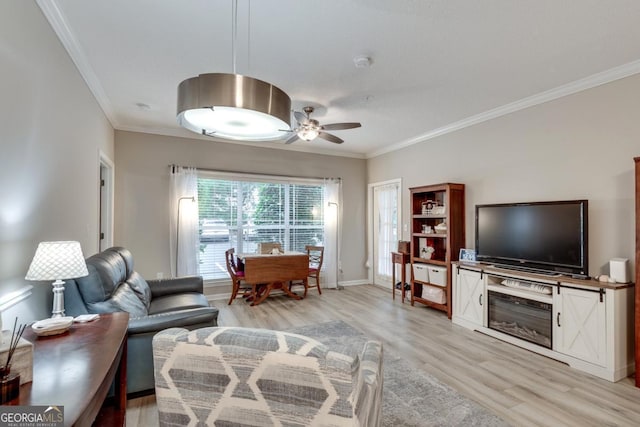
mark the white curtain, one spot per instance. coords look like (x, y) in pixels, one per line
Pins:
(332, 232)
(183, 221)
(385, 210)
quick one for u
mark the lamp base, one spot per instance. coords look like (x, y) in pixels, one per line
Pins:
(58, 299)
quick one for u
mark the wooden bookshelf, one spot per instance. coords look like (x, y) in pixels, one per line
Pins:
(433, 248)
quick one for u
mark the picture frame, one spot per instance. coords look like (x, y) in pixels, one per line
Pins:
(467, 255)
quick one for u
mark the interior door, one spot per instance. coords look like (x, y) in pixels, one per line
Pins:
(105, 209)
(385, 230)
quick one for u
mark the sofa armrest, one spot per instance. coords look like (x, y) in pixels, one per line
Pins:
(161, 287)
(368, 389)
(190, 318)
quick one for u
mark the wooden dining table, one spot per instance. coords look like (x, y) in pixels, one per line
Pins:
(274, 272)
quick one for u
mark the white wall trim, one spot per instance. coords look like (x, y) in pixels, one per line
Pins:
(70, 42)
(589, 82)
(352, 283)
(274, 145)
(13, 298)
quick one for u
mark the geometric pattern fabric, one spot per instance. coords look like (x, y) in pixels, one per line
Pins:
(231, 376)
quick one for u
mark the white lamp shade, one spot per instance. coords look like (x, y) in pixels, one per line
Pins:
(57, 261)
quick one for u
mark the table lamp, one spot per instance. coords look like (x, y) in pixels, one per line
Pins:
(57, 261)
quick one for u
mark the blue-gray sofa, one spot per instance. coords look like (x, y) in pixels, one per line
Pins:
(113, 285)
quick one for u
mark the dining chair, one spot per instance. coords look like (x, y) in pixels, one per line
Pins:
(316, 255)
(236, 275)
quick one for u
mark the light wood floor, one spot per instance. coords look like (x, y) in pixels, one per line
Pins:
(524, 388)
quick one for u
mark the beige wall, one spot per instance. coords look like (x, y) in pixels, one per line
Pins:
(51, 131)
(142, 191)
(577, 147)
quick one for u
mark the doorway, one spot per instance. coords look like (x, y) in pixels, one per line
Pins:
(105, 229)
(384, 229)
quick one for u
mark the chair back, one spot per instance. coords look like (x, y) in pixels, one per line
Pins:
(316, 255)
(268, 247)
(231, 263)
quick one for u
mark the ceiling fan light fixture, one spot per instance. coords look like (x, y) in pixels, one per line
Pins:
(233, 106)
(308, 133)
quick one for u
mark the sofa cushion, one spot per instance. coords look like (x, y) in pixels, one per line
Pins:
(107, 270)
(177, 302)
(126, 299)
(90, 288)
(140, 287)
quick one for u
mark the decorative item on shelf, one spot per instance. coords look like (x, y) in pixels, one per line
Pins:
(439, 210)
(427, 252)
(441, 228)
(57, 261)
(52, 326)
(427, 207)
(467, 255)
(427, 229)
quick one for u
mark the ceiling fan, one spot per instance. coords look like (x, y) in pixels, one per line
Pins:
(309, 129)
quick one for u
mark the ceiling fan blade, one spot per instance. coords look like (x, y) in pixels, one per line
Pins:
(292, 138)
(329, 137)
(300, 117)
(340, 126)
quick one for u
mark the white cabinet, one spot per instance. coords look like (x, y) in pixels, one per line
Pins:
(579, 324)
(469, 297)
(590, 323)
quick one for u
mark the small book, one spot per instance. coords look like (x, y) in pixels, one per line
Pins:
(83, 318)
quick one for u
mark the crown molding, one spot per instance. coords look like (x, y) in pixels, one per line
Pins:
(580, 85)
(57, 21)
(68, 39)
(272, 145)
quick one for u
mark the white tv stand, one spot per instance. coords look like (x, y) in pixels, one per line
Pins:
(592, 322)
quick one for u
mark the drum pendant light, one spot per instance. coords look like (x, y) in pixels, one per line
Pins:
(233, 106)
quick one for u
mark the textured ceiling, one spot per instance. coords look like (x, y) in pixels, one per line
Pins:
(436, 65)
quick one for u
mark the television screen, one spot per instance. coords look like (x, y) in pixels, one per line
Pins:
(542, 235)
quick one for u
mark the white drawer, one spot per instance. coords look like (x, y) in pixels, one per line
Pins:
(421, 272)
(438, 275)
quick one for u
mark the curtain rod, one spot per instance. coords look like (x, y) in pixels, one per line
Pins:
(256, 174)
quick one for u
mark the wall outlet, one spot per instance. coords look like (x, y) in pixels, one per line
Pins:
(160, 275)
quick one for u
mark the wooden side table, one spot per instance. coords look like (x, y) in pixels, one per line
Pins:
(402, 259)
(76, 369)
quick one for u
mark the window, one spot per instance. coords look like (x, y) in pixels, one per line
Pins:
(241, 211)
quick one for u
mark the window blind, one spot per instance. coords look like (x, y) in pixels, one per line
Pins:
(239, 212)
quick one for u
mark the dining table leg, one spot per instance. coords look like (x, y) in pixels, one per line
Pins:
(275, 285)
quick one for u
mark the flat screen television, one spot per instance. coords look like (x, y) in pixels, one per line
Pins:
(539, 236)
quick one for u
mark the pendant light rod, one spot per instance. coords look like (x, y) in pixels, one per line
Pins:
(234, 34)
